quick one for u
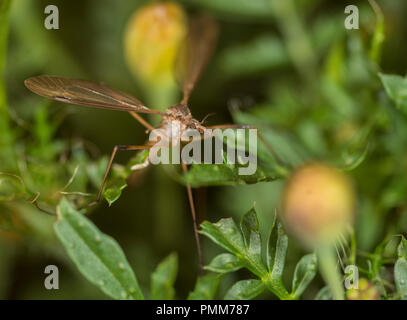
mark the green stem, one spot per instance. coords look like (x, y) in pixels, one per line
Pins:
(297, 41)
(353, 247)
(327, 262)
(277, 288)
(379, 34)
(7, 157)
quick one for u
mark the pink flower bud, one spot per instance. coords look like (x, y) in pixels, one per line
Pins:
(318, 204)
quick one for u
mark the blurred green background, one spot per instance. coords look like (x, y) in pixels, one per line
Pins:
(291, 65)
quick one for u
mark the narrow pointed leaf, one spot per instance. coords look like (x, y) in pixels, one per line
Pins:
(271, 244)
(224, 233)
(402, 248)
(281, 252)
(163, 278)
(206, 287)
(245, 290)
(224, 263)
(277, 250)
(305, 271)
(400, 277)
(249, 223)
(98, 256)
(396, 89)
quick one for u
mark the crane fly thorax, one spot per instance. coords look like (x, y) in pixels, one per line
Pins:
(177, 120)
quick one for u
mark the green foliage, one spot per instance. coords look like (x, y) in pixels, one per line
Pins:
(256, 9)
(163, 278)
(396, 88)
(314, 91)
(98, 256)
(117, 181)
(265, 52)
(400, 270)
(224, 263)
(245, 246)
(205, 288)
(245, 290)
(305, 271)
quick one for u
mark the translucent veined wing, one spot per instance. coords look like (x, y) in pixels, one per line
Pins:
(194, 54)
(85, 93)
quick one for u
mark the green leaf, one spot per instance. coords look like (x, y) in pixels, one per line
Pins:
(260, 55)
(205, 287)
(400, 277)
(115, 184)
(118, 175)
(271, 244)
(224, 263)
(98, 256)
(305, 271)
(351, 159)
(355, 151)
(402, 248)
(286, 146)
(277, 250)
(163, 278)
(242, 8)
(396, 89)
(227, 175)
(245, 290)
(224, 233)
(248, 224)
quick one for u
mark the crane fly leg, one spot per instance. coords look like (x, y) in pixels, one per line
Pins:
(115, 149)
(193, 213)
(143, 122)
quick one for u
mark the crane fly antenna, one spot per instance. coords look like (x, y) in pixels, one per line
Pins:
(207, 116)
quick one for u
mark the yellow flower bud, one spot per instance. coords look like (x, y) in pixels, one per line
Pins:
(366, 291)
(152, 39)
(318, 204)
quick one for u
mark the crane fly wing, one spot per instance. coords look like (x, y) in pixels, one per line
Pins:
(194, 54)
(85, 93)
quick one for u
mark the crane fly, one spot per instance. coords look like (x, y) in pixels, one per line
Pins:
(190, 62)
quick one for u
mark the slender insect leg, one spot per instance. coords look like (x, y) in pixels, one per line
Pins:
(142, 121)
(115, 149)
(194, 221)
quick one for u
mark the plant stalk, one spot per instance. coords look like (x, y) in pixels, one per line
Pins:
(327, 262)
